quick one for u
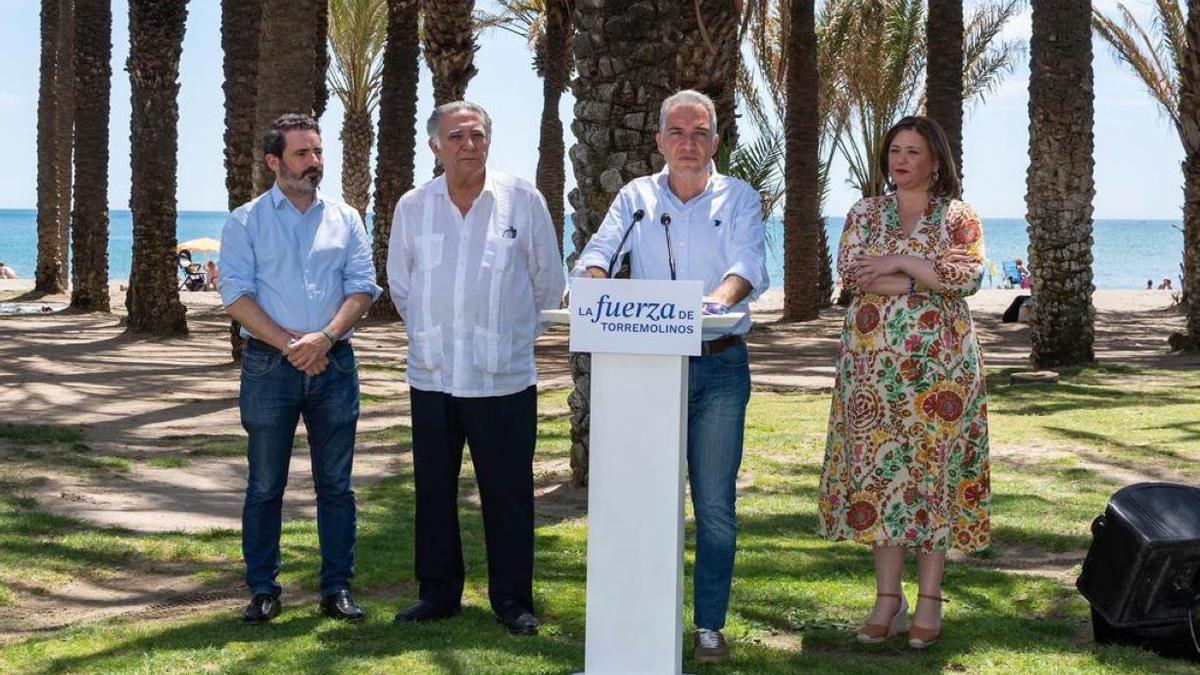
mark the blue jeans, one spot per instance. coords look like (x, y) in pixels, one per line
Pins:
(274, 395)
(718, 391)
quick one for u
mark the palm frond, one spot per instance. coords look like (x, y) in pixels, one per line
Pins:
(761, 165)
(1142, 58)
(357, 35)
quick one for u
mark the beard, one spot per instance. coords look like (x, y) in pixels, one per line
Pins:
(305, 182)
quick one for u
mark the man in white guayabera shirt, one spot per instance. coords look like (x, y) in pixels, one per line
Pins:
(692, 223)
(472, 259)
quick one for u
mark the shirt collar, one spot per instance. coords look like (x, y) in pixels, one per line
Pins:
(714, 176)
(439, 185)
(278, 198)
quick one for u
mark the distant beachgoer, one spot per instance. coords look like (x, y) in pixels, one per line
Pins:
(7, 272)
(1165, 285)
(211, 283)
(906, 459)
(1149, 284)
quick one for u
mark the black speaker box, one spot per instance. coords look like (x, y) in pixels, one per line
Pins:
(1142, 571)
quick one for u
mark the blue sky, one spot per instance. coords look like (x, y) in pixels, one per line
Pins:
(1137, 150)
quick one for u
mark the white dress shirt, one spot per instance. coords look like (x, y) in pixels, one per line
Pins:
(469, 288)
(715, 234)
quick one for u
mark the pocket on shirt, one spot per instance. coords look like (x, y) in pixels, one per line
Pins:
(425, 349)
(493, 351)
(429, 251)
(498, 253)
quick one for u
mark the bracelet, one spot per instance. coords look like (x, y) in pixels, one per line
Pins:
(912, 285)
(329, 337)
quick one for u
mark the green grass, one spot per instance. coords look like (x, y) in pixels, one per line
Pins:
(167, 462)
(796, 598)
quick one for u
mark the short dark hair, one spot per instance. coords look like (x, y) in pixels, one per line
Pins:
(273, 140)
(946, 183)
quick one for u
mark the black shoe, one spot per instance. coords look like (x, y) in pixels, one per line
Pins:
(262, 608)
(338, 605)
(427, 611)
(518, 620)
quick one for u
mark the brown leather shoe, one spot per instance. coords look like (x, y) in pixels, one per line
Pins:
(873, 633)
(709, 647)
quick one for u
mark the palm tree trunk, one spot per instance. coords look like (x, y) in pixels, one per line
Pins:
(944, 71)
(449, 47)
(554, 60)
(50, 273)
(321, 60)
(394, 164)
(156, 42)
(1189, 116)
(358, 135)
(802, 209)
(239, 40)
(1060, 183)
(66, 131)
(709, 56)
(89, 217)
(625, 60)
(287, 52)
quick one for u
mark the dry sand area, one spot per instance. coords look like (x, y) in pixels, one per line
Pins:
(143, 399)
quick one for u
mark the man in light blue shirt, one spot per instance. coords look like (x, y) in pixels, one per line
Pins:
(692, 223)
(296, 272)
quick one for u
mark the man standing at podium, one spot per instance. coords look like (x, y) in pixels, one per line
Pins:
(472, 259)
(693, 223)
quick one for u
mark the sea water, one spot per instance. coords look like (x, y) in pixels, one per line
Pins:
(1127, 253)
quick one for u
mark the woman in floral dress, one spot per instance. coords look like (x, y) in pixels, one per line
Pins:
(906, 462)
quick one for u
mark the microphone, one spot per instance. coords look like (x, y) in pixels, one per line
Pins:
(637, 218)
(666, 223)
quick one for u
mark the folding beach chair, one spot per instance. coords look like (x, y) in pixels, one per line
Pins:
(193, 273)
(1012, 274)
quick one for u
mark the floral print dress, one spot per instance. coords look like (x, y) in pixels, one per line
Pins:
(906, 460)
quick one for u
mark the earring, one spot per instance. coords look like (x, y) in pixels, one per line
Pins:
(935, 176)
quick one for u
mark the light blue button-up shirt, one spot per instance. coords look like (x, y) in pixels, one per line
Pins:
(298, 267)
(715, 234)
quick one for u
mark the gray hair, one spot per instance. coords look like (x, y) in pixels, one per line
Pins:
(434, 126)
(687, 97)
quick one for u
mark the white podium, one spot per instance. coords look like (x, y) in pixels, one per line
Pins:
(637, 465)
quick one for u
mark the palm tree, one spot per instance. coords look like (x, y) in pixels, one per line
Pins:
(394, 164)
(156, 42)
(709, 57)
(944, 77)
(1189, 109)
(287, 69)
(1060, 183)
(239, 40)
(54, 104)
(624, 75)
(1158, 57)
(89, 217)
(357, 34)
(321, 61)
(802, 224)
(240, 35)
(546, 25)
(449, 47)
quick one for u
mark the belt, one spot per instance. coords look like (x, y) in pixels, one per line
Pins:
(720, 344)
(261, 346)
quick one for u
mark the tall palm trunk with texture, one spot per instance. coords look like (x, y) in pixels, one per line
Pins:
(802, 130)
(89, 215)
(55, 92)
(396, 157)
(554, 62)
(449, 47)
(1060, 184)
(1189, 116)
(944, 71)
(156, 43)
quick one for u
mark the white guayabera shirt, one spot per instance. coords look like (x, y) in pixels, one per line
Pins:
(469, 288)
(717, 233)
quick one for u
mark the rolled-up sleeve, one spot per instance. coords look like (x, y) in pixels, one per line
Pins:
(236, 261)
(600, 249)
(359, 274)
(965, 232)
(546, 267)
(748, 250)
(399, 261)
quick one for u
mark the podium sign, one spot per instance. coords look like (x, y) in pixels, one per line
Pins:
(636, 316)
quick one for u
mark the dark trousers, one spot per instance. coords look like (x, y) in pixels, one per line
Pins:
(501, 432)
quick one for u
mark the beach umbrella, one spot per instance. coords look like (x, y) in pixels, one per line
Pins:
(201, 245)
